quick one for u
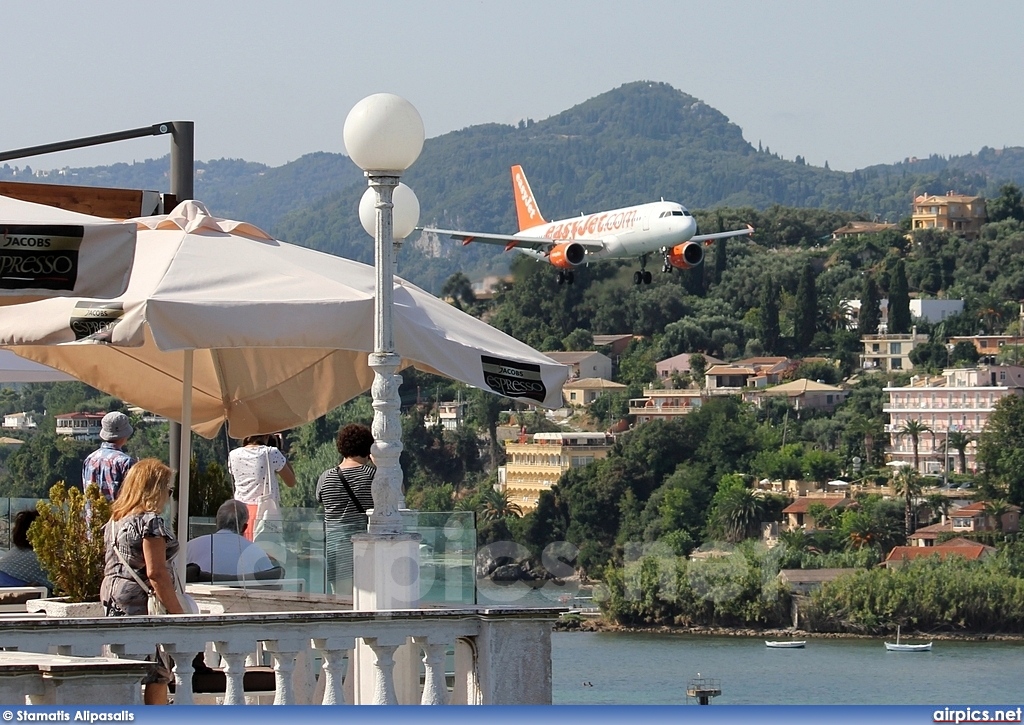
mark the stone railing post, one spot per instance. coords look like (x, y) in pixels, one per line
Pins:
(435, 689)
(334, 650)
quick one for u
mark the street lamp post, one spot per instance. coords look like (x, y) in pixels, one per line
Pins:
(384, 136)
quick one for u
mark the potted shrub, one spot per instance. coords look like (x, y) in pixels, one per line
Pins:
(68, 539)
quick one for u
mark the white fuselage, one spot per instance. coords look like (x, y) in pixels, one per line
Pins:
(628, 232)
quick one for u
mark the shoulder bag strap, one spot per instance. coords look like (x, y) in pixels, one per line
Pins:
(268, 478)
(145, 587)
(351, 493)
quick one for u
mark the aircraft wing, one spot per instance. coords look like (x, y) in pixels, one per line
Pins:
(507, 240)
(708, 238)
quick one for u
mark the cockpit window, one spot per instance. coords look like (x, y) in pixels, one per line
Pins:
(680, 213)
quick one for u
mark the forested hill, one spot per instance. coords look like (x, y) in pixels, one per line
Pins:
(639, 142)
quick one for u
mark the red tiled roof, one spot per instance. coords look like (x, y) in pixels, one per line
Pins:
(969, 550)
(933, 531)
(978, 507)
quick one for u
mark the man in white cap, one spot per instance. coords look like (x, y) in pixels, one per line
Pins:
(108, 465)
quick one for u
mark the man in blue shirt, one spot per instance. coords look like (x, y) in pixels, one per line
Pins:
(107, 466)
(227, 554)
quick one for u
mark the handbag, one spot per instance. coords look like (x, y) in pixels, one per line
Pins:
(153, 604)
(268, 513)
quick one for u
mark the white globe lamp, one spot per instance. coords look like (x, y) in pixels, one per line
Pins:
(406, 211)
(383, 133)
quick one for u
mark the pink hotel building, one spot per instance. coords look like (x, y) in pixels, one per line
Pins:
(961, 399)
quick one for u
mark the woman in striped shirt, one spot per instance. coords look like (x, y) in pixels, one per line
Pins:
(344, 492)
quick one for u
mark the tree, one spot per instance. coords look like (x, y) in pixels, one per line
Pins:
(1001, 448)
(698, 366)
(899, 301)
(720, 255)
(939, 504)
(484, 409)
(768, 317)
(991, 310)
(736, 509)
(907, 483)
(806, 313)
(994, 511)
(459, 290)
(964, 352)
(1008, 205)
(496, 505)
(913, 429)
(870, 316)
(959, 440)
(578, 340)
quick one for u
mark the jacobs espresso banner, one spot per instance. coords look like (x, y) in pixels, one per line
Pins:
(514, 379)
(94, 321)
(40, 256)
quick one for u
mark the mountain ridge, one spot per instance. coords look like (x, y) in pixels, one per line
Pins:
(638, 142)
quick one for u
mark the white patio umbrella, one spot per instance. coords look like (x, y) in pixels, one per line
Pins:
(45, 251)
(221, 323)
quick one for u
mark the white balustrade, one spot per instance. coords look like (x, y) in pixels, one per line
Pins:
(502, 655)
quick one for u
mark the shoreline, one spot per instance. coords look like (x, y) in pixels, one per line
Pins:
(600, 625)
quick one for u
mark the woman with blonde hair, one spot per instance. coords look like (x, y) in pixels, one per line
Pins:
(146, 544)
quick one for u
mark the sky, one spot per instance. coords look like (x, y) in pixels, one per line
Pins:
(853, 83)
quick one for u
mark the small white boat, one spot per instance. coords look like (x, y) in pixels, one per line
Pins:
(786, 644)
(897, 647)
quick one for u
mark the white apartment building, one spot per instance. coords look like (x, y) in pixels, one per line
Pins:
(961, 399)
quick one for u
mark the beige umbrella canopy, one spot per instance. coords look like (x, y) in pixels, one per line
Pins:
(280, 333)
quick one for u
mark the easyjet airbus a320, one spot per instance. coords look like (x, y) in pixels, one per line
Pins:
(634, 231)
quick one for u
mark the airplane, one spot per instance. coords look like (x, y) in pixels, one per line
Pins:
(634, 231)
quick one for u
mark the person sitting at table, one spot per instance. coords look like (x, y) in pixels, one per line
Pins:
(19, 567)
(227, 554)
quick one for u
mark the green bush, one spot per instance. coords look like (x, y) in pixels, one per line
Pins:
(68, 539)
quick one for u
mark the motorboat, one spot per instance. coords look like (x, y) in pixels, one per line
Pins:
(786, 644)
(898, 647)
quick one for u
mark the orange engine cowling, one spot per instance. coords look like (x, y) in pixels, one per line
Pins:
(567, 256)
(686, 255)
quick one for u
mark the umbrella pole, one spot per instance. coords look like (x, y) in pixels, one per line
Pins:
(185, 457)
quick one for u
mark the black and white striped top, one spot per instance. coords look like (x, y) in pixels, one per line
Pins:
(338, 505)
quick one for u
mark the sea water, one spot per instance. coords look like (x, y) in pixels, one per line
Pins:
(590, 668)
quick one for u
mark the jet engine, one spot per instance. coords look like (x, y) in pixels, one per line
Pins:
(567, 256)
(685, 255)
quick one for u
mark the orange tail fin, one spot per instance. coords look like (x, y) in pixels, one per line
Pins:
(526, 205)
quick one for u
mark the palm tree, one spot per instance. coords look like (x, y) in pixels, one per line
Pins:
(495, 505)
(994, 511)
(990, 311)
(913, 429)
(959, 440)
(869, 429)
(740, 512)
(908, 484)
(938, 504)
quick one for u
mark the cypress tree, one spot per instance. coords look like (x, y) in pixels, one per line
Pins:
(899, 301)
(769, 318)
(870, 308)
(805, 323)
(719, 260)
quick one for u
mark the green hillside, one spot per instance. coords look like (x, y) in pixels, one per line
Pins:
(639, 142)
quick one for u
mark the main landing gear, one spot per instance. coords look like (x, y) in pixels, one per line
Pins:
(667, 266)
(642, 276)
(566, 277)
